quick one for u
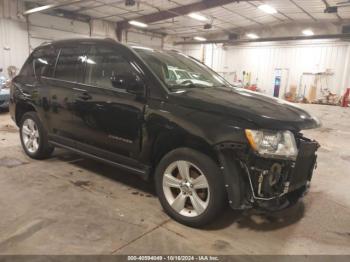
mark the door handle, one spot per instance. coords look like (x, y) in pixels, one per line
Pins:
(82, 94)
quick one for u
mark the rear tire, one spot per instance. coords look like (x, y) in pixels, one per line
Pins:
(190, 187)
(34, 138)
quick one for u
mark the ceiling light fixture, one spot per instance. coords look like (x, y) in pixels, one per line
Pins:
(267, 9)
(199, 38)
(38, 9)
(198, 17)
(138, 24)
(51, 6)
(308, 32)
(252, 36)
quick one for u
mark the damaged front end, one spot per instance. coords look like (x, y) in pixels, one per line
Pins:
(266, 179)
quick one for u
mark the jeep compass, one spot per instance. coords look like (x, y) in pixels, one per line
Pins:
(204, 143)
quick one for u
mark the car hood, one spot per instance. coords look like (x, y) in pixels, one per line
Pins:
(262, 110)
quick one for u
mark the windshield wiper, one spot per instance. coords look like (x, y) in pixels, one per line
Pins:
(188, 86)
(192, 85)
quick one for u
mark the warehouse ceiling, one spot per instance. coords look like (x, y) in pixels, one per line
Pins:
(171, 17)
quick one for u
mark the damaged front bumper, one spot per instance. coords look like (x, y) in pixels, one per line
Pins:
(272, 184)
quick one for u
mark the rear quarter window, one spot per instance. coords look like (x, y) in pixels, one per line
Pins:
(28, 68)
(44, 62)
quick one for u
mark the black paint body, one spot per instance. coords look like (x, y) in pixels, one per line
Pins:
(134, 130)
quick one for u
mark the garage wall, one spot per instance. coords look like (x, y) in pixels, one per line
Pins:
(13, 43)
(134, 37)
(43, 28)
(20, 35)
(196, 51)
(262, 60)
(48, 28)
(13, 35)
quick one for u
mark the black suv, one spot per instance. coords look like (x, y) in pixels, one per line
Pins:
(166, 116)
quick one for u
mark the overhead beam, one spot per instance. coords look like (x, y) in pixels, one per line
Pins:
(179, 11)
(268, 39)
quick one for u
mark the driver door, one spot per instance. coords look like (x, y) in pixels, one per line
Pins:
(110, 117)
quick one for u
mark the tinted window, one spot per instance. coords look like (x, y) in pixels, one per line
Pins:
(44, 61)
(103, 64)
(190, 72)
(70, 65)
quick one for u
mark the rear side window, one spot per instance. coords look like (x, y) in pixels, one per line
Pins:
(44, 62)
(104, 63)
(70, 65)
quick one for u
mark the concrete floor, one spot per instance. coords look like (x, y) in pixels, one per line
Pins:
(70, 205)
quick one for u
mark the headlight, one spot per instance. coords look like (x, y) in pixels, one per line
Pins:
(277, 144)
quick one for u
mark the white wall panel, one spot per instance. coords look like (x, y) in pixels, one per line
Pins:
(48, 28)
(103, 29)
(13, 43)
(13, 35)
(11, 8)
(262, 60)
(138, 38)
(196, 51)
(16, 41)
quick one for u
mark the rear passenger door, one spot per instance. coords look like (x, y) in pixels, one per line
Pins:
(65, 86)
(111, 118)
(34, 80)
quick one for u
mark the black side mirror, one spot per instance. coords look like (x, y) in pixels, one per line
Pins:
(132, 83)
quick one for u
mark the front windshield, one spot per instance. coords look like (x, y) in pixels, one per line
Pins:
(178, 71)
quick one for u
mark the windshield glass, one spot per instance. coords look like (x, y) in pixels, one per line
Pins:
(178, 71)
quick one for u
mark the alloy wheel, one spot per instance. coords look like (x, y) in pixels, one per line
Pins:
(186, 188)
(30, 136)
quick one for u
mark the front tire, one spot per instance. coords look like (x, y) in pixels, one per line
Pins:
(190, 187)
(34, 137)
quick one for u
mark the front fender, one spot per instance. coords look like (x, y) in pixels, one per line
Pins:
(235, 184)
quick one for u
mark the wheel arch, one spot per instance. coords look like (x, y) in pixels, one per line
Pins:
(168, 141)
(21, 109)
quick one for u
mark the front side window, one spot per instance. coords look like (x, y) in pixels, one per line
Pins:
(104, 66)
(189, 73)
(70, 65)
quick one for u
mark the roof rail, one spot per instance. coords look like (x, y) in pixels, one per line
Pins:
(174, 50)
(45, 43)
(109, 38)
